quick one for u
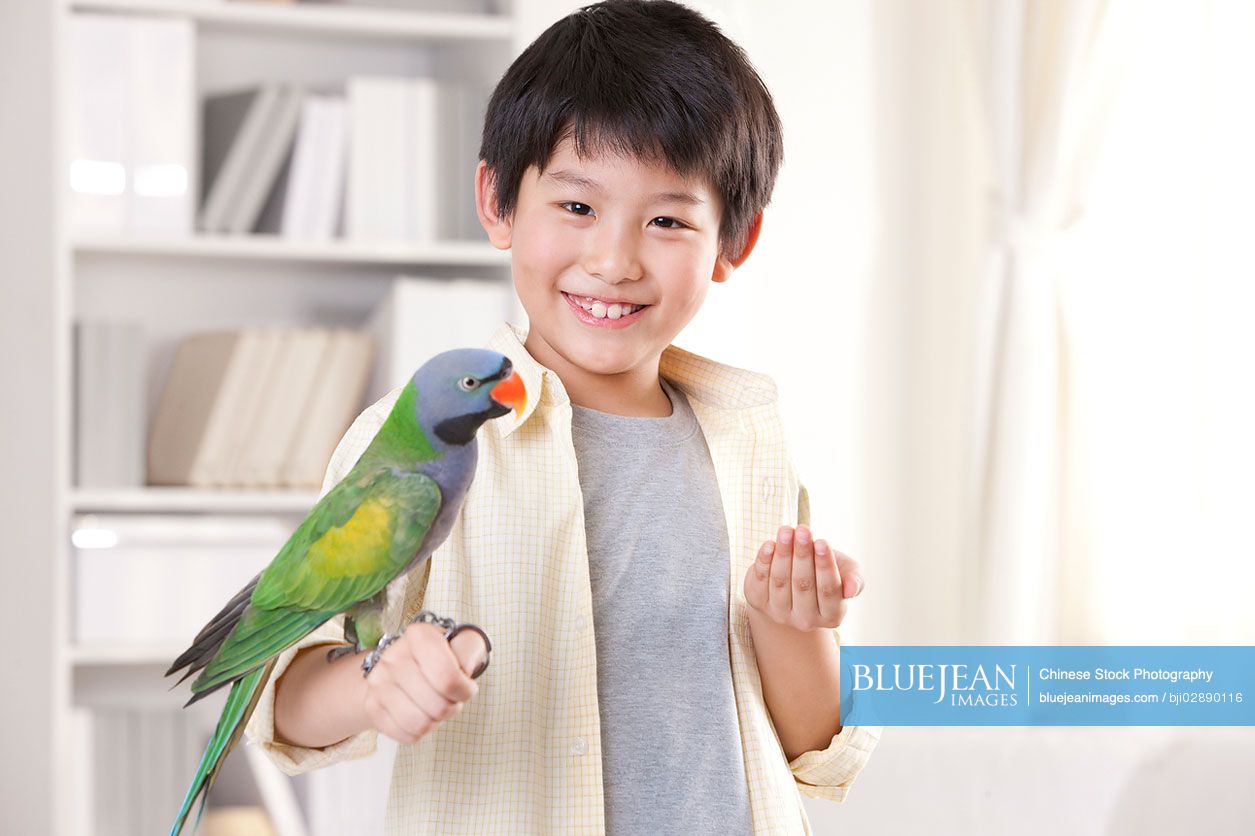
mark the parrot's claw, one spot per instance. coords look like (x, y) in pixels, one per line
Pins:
(372, 658)
(342, 650)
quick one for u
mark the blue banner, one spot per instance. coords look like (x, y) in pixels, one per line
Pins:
(1067, 685)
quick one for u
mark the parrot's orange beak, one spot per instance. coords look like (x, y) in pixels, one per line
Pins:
(510, 392)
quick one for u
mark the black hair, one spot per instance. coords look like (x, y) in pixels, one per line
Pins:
(652, 79)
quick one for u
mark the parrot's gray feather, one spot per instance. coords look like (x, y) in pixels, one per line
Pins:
(213, 634)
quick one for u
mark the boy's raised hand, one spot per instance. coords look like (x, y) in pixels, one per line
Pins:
(802, 582)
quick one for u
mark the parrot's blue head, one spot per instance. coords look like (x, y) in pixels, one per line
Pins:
(459, 390)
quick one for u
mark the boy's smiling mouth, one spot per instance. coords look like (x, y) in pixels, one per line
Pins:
(598, 312)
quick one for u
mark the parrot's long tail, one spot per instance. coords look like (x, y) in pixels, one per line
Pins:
(240, 704)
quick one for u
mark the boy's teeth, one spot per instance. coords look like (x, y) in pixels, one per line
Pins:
(602, 311)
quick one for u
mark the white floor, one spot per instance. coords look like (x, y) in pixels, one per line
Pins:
(1080, 781)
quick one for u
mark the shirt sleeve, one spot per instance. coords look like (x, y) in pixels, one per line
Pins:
(293, 760)
(829, 772)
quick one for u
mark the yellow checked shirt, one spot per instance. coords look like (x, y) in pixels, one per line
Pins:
(524, 756)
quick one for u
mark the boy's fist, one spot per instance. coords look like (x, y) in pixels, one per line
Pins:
(422, 679)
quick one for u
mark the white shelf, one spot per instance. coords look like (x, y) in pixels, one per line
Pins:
(191, 500)
(277, 249)
(122, 654)
(388, 24)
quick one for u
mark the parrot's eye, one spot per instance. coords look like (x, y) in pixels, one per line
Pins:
(468, 383)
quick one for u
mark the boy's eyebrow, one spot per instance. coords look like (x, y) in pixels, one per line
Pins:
(570, 178)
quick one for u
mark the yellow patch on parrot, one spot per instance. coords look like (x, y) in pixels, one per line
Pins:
(357, 547)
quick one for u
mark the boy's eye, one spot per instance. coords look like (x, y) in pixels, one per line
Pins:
(678, 225)
(667, 223)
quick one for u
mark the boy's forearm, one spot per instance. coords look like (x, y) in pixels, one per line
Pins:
(319, 703)
(801, 676)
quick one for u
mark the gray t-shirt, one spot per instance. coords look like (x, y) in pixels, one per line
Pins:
(658, 565)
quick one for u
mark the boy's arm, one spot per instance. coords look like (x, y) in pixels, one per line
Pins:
(318, 703)
(826, 772)
(321, 702)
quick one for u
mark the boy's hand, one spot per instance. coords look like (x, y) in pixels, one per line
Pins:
(422, 679)
(802, 582)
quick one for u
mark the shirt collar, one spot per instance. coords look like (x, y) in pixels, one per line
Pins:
(707, 381)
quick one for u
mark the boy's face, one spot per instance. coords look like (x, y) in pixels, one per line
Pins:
(615, 229)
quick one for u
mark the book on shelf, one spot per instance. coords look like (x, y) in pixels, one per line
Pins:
(208, 370)
(259, 407)
(377, 189)
(129, 124)
(293, 377)
(461, 110)
(348, 353)
(248, 136)
(413, 148)
(264, 166)
(224, 465)
(307, 199)
(232, 130)
(109, 403)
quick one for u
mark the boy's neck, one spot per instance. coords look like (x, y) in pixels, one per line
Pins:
(636, 392)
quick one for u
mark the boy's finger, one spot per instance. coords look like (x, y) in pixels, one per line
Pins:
(440, 666)
(756, 590)
(851, 575)
(827, 582)
(780, 601)
(805, 605)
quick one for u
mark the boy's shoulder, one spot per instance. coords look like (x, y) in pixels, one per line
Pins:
(714, 382)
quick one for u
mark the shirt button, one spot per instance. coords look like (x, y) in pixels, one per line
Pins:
(579, 747)
(768, 487)
(581, 623)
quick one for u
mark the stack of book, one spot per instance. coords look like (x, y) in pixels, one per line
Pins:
(388, 160)
(258, 407)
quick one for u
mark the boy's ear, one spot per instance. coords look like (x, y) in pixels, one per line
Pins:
(499, 229)
(724, 266)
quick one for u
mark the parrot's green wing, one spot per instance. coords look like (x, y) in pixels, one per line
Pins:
(356, 540)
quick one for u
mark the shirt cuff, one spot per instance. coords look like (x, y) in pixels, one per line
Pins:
(294, 760)
(828, 773)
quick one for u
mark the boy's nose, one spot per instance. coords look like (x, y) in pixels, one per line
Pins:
(613, 256)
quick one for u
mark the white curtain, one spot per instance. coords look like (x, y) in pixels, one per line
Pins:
(1160, 471)
(1048, 71)
(1112, 470)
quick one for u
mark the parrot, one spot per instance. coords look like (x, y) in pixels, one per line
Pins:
(382, 520)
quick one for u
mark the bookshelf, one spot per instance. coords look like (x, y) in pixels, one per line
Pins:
(336, 21)
(176, 284)
(272, 248)
(190, 500)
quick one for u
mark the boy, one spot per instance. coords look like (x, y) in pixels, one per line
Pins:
(653, 670)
